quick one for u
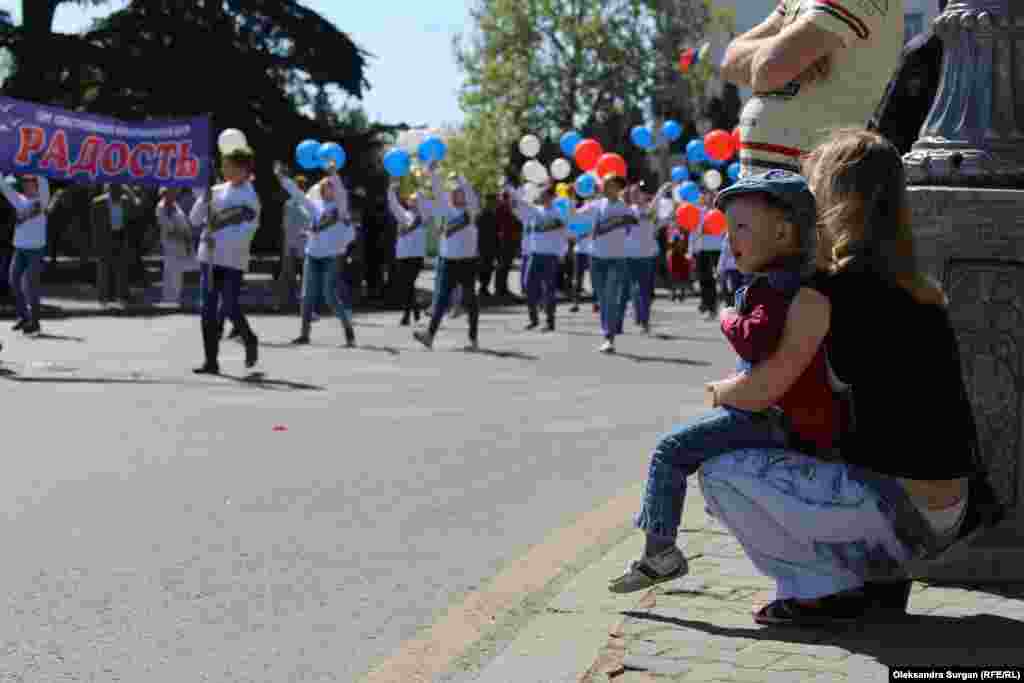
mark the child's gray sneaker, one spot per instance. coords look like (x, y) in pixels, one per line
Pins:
(667, 565)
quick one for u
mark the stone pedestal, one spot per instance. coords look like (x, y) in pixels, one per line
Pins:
(974, 133)
(972, 240)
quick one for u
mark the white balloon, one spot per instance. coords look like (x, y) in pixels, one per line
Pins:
(535, 172)
(713, 180)
(560, 169)
(230, 140)
(529, 146)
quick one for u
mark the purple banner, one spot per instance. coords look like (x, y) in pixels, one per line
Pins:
(85, 148)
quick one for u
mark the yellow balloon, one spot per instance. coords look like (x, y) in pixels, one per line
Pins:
(562, 190)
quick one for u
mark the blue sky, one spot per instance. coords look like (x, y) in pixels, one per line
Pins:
(413, 76)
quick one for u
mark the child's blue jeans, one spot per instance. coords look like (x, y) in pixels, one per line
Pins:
(680, 454)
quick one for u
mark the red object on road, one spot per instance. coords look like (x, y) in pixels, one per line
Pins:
(280, 428)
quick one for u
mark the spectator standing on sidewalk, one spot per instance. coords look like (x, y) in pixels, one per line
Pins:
(706, 250)
(510, 232)
(297, 221)
(814, 65)
(111, 213)
(487, 224)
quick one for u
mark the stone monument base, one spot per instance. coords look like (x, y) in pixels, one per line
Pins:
(972, 240)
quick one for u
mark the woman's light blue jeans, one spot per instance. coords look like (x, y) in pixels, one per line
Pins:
(640, 287)
(320, 281)
(815, 527)
(26, 265)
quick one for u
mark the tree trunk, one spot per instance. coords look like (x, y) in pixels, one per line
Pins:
(33, 79)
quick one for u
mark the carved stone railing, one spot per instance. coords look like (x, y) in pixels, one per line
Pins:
(973, 134)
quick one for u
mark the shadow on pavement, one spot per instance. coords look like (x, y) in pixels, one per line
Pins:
(983, 640)
(661, 359)
(504, 354)
(57, 337)
(259, 379)
(390, 350)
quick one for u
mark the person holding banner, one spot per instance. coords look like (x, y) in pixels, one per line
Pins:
(546, 236)
(234, 211)
(611, 218)
(457, 264)
(176, 243)
(29, 247)
(410, 248)
(328, 240)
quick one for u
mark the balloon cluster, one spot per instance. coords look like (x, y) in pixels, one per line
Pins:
(312, 155)
(427, 147)
(644, 138)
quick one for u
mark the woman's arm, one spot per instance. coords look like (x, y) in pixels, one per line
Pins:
(807, 324)
(403, 217)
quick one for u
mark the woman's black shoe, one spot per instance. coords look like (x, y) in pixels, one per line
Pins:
(207, 369)
(252, 353)
(31, 328)
(19, 325)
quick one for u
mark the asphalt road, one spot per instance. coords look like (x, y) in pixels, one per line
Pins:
(162, 526)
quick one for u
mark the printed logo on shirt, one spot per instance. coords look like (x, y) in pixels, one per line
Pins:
(550, 225)
(611, 224)
(456, 224)
(233, 216)
(31, 211)
(328, 220)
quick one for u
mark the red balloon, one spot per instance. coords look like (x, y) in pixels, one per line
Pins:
(587, 153)
(719, 145)
(611, 164)
(686, 59)
(736, 135)
(715, 223)
(688, 216)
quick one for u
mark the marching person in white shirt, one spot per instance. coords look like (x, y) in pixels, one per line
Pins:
(410, 247)
(642, 255)
(547, 236)
(224, 255)
(457, 264)
(29, 248)
(328, 240)
(176, 244)
(612, 219)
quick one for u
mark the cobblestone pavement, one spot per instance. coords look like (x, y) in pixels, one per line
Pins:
(699, 628)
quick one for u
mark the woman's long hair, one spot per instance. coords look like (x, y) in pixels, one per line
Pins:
(863, 213)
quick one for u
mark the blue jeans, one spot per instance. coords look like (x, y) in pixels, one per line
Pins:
(640, 287)
(542, 284)
(320, 282)
(26, 265)
(815, 527)
(219, 289)
(680, 453)
(452, 273)
(608, 278)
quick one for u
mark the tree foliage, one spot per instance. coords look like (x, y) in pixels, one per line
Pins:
(597, 66)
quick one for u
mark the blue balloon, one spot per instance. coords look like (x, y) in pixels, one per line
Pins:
(672, 130)
(642, 137)
(438, 149)
(581, 225)
(307, 154)
(586, 185)
(680, 174)
(568, 142)
(695, 152)
(688, 192)
(331, 151)
(397, 163)
(734, 170)
(563, 205)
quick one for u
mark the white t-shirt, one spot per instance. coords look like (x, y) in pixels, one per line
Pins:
(641, 241)
(232, 243)
(30, 230)
(175, 233)
(459, 236)
(612, 221)
(544, 230)
(778, 128)
(412, 232)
